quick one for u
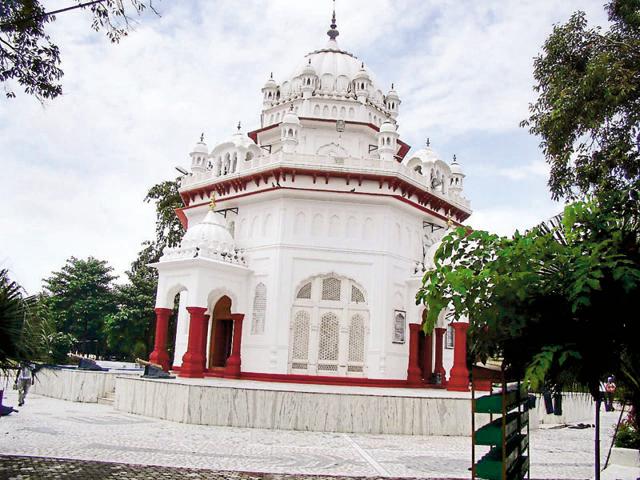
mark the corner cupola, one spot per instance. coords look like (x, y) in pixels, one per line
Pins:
(387, 140)
(199, 156)
(309, 80)
(270, 92)
(392, 102)
(457, 177)
(289, 131)
(361, 84)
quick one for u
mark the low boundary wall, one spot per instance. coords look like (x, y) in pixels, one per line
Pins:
(75, 385)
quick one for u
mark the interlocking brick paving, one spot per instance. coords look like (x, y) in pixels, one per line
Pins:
(30, 468)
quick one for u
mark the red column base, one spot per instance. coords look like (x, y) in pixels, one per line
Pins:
(458, 380)
(232, 368)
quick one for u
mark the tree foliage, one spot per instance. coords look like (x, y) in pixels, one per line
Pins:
(169, 230)
(27, 54)
(556, 302)
(13, 312)
(79, 298)
(130, 330)
(588, 108)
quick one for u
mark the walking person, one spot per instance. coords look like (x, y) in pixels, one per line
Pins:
(610, 390)
(24, 380)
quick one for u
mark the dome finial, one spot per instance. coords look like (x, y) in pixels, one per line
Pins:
(428, 142)
(333, 32)
(202, 137)
(239, 126)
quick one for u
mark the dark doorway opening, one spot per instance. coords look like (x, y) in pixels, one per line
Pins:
(221, 334)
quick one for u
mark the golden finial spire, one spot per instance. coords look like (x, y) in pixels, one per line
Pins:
(212, 203)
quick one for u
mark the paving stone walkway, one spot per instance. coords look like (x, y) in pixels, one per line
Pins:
(140, 447)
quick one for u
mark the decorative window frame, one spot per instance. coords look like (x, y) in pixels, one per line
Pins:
(399, 332)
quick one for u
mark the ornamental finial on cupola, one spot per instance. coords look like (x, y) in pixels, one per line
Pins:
(333, 32)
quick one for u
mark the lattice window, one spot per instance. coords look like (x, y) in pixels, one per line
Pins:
(356, 295)
(300, 349)
(448, 338)
(328, 344)
(259, 309)
(331, 289)
(305, 292)
(356, 339)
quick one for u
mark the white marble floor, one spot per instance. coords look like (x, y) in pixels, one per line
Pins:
(310, 388)
(57, 428)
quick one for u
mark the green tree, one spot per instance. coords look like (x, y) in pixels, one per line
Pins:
(588, 108)
(130, 330)
(30, 58)
(79, 298)
(13, 314)
(169, 230)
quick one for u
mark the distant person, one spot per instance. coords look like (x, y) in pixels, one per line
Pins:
(609, 393)
(24, 380)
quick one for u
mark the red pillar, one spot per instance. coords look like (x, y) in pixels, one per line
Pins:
(413, 369)
(459, 374)
(439, 367)
(232, 368)
(427, 363)
(205, 331)
(159, 354)
(192, 359)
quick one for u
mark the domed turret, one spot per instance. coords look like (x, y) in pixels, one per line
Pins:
(387, 140)
(289, 129)
(392, 102)
(270, 92)
(457, 177)
(361, 83)
(309, 80)
(199, 156)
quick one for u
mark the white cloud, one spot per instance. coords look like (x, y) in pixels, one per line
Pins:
(75, 171)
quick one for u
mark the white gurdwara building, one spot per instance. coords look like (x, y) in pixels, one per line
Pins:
(307, 240)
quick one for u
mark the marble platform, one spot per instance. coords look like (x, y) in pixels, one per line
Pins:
(76, 385)
(242, 403)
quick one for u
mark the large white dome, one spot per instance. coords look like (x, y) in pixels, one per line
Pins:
(335, 68)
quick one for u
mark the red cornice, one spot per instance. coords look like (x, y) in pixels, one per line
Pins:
(427, 202)
(182, 217)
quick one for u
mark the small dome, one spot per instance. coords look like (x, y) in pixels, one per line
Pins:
(271, 83)
(210, 232)
(308, 69)
(291, 117)
(456, 169)
(392, 95)
(362, 73)
(200, 147)
(388, 127)
(426, 155)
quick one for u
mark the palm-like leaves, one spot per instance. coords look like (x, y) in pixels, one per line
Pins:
(13, 309)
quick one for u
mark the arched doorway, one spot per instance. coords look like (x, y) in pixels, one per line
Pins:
(221, 334)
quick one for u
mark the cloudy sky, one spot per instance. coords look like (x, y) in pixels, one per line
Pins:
(75, 170)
